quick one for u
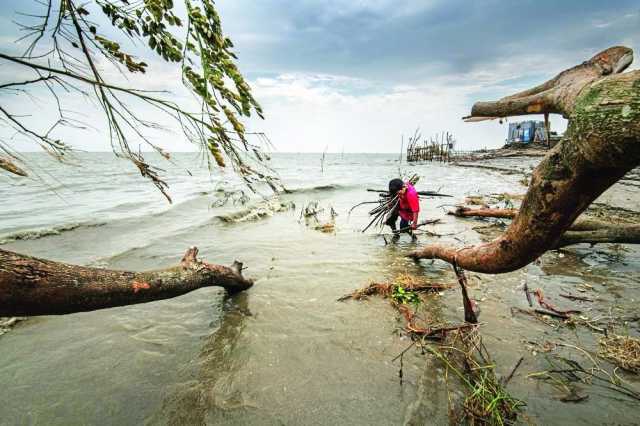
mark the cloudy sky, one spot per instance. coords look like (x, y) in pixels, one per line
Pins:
(356, 75)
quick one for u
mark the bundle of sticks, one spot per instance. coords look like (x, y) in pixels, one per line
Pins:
(387, 203)
(384, 193)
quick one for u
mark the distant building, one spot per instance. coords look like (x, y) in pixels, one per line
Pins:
(527, 132)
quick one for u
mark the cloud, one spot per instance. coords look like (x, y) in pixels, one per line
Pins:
(411, 40)
(307, 113)
(357, 74)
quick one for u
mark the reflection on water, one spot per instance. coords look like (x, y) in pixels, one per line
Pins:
(210, 393)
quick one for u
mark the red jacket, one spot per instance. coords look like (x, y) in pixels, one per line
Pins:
(409, 203)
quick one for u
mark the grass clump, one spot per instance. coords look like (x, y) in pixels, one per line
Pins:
(486, 400)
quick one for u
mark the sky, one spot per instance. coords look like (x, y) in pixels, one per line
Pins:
(358, 76)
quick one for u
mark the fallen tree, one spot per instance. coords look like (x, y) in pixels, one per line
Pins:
(621, 234)
(583, 230)
(31, 286)
(601, 144)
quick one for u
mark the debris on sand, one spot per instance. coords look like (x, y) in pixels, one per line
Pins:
(623, 351)
(459, 348)
(311, 214)
(486, 400)
(407, 282)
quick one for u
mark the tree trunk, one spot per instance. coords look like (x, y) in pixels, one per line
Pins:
(625, 234)
(588, 231)
(581, 224)
(601, 145)
(31, 286)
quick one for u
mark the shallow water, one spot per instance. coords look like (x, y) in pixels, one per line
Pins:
(285, 352)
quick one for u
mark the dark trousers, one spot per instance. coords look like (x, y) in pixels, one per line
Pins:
(393, 218)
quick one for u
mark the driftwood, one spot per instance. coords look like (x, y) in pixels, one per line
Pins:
(581, 224)
(589, 231)
(461, 211)
(31, 286)
(423, 193)
(601, 144)
(620, 234)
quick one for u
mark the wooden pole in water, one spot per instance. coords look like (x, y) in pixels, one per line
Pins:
(547, 129)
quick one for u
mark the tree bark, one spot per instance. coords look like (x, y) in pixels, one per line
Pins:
(624, 234)
(30, 286)
(558, 95)
(601, 145)
(483, 212)
(581, 224)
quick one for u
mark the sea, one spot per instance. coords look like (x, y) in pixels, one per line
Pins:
(285, 352)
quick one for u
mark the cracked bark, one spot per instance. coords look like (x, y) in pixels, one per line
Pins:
(30, 286)
(601, 145)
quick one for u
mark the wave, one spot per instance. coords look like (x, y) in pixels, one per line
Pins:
(35, 234)
(321, 188)
(263, 209)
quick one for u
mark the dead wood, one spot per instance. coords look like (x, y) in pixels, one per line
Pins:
(423, 193)
(621, 234)
(502, 170)
(462, 211)
(507, 379)
(535, 312)
(581, 224)
(406, 281)
(573, 297)
(547, 305)
(470, 313)
(410, 284)
(30, 286)
(583, 230)
(601, 145)
(527, 293)
(429, 332)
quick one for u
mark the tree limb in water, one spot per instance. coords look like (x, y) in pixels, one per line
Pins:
(588, 231)
(623, 234)
(31, 286)
(461, 211)
(601, 144)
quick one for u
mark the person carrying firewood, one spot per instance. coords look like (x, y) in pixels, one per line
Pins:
(408, 207)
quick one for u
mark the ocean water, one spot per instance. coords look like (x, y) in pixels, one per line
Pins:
(284, 352)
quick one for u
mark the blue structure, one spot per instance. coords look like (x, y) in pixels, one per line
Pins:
(526, 132)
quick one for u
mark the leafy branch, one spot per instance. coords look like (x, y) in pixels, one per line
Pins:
(63, 49)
